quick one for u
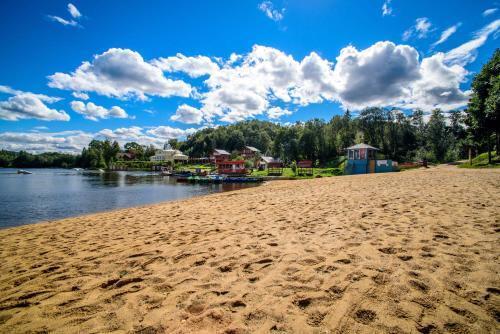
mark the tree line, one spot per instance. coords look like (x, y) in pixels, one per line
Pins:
(24, 159)
(399, 136)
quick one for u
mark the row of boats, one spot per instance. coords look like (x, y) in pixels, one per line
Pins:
(191, 177)
(214, 178)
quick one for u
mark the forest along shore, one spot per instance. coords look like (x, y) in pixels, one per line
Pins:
(407, 252)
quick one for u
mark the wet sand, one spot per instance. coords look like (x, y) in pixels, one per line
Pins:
(409, 252)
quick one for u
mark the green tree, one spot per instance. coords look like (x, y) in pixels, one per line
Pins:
(438, 139)
(483, 112)
(174, 143)
(136, 149)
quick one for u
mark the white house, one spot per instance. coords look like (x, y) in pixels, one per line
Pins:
(169, 154)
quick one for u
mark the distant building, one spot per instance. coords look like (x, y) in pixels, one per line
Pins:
(266, 161)
(274, 166)
(125, 156)
(236, 167)
(169, 155)
(249, 152)
(219, 155)
(305, 167)
(361, 159)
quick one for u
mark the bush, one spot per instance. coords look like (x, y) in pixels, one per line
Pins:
(452, 155)
(422, 154)
(293, 166)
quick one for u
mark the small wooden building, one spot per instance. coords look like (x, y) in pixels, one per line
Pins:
(361, 159)
(219, 155)
(125, 156)
(273, 166)
(305, 167)
(249, 152)
(235, 167)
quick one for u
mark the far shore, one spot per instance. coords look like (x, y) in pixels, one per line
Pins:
(410, 252)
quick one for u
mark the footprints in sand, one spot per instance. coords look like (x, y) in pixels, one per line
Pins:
(365, 316)
(119, 282)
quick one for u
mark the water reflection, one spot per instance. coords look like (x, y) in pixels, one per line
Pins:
(50, 194)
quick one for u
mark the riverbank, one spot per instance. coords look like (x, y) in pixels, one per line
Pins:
(399, 252)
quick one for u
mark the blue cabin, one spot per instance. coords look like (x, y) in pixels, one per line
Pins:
(361, 159)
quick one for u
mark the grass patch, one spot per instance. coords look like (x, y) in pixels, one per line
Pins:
(317, 172)
(481, 161)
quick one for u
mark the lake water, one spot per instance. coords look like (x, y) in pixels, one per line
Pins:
(50, 194)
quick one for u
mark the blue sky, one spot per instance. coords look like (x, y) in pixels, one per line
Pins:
(149, 71)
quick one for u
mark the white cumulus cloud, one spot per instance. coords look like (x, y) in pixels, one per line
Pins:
(187, 114)
(192, 66)
(277, 112)
(74, 141)
(80, 95)
(376, 76)
(94, 112)
(120, 73)
(27, 105)
(38, 142)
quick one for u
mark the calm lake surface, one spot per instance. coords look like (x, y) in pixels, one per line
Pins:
(50, 194)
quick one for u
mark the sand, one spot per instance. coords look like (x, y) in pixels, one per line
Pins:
(409, 252)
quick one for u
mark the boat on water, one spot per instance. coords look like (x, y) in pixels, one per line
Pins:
(22, 171)
(242, 179)
(166, 172)
(215, 178)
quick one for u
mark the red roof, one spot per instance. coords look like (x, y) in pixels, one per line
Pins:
(231, 162)
(305, 164)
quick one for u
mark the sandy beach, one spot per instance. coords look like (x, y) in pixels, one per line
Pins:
(409, 252)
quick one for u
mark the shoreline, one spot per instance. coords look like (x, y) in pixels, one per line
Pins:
(400, 252)
(141, 206)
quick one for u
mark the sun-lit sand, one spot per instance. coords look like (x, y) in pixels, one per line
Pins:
(409, 252)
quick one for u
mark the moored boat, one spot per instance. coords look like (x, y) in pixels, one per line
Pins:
(242, 179)
(216, 178)
(166, 172)
(22, 171)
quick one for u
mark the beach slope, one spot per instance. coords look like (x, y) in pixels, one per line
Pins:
(409, 252)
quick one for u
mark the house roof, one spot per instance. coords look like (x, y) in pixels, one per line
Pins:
(218, 151)
(180, 156)
(251, 148)
(359, 146)
(126, 154)
(270, 159)
(231, 162)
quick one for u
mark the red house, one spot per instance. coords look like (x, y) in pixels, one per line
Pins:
(219, 156)
(249, 152)
(236, 167)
